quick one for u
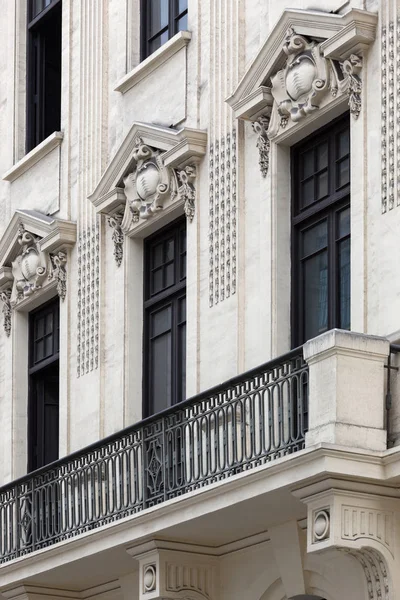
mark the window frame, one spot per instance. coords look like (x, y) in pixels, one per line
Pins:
(170, 295)
(174, 17)
(304, 218)
(35, 107)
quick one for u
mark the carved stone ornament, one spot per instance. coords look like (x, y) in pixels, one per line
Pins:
(30, 268)
(117, 237)
(59, 273)
(260, 127)
(307, 78)
(5, 296)
(187, 190)
(150, 185)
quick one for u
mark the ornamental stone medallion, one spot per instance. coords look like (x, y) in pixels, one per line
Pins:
(307, 79)
(29, 269)
(150, 185)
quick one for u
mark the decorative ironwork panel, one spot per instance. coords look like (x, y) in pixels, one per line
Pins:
(251, 420)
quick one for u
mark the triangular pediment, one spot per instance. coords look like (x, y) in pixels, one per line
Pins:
(340, 36)
(179, 148)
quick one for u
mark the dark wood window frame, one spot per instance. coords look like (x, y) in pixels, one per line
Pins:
(155, 301)
(43, 71)
(175, 17)
(43, 369)
(326, 208)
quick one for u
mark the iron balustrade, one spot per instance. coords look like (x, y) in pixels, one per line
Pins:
(247, 421)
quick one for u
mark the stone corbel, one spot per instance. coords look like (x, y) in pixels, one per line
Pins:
(260, 127)
(5, 297)
(117, 236)
(352, 83)
(59, 273)
(361, 525)
(166, 573)
(187, 191)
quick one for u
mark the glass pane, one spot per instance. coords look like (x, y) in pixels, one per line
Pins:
(161, 373)
(49, 345)
(158, 15)
(344, 284)
(161, 321)
(169, 250)
(343, 172)
(182, 310)
(158, 42)
(322, 156)
(39, 328)
(157, 255)
(183, 23)
(157, 281)
(308, 164)
(182, 5)
(343, 143)
(39, 351)
(344, 222)
(307, 192)
(316, 295)
(49, 323)
(315, 238)
(169, 275)
(183, 267)
(322, 185)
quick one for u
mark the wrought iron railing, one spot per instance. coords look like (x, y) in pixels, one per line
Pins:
(249, 420)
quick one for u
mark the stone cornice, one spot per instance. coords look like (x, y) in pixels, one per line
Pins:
(34, 156)
(155, 60)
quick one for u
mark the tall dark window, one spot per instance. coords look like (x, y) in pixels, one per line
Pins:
(44, 70)
(43, 409)
(165, 318)
(161, 19)
(321, 232)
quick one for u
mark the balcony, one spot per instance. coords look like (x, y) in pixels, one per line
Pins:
(250, 420)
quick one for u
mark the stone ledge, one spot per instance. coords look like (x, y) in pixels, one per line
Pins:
(52, 141)
(155, 60)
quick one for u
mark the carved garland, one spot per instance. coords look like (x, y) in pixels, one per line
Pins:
(29, 271)
(299, 88)
(117, 237)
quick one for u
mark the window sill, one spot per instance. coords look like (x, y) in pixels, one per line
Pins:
(155, 60)
(34, 156)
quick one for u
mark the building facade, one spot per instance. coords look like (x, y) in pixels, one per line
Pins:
(199, 215)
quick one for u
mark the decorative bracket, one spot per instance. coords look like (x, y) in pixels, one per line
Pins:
(117, 236)
(260, 127)
(5, 297)
(187, 190)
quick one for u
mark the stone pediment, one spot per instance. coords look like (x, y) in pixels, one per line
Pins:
(152, 172)
(311, 60)
(32, 257)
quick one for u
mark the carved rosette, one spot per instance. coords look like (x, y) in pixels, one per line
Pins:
(186, 190)
(260, 127)
(117, 237)
(5, 297)
(151, 183)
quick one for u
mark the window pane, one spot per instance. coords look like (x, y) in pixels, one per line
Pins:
(169, 250)
(158, 41)
(169, 275)
(316, 295)
(315, 238)
(344, 284)
(157, 281)
(307, 192)
(308, 164)
(39, 328)
(158, 15)
(343, 172)
(183, 23)
(49, 345)
(161, 321)
(322, 156)
(161, 373)
(322, 185)
(157, 255)
(182, 5)
(39, 351)
(343, 143)
(344, 222)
